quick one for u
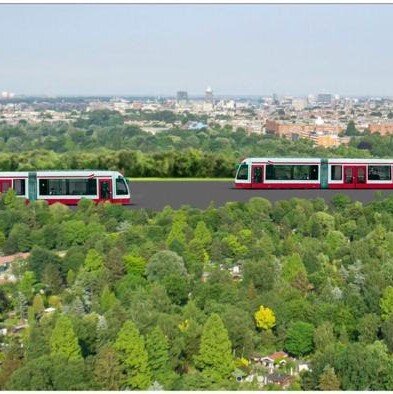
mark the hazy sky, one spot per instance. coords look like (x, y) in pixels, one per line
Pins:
(159, 49)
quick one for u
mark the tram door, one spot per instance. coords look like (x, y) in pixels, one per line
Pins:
(5, 184)
(355, 176)
(105, 189)
(257, 176)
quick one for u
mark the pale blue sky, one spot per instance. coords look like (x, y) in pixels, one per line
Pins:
(159, 49)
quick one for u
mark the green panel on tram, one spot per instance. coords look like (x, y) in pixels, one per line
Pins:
(324, 174)
(32, 186)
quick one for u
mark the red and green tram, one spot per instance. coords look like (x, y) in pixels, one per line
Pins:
(312, 173)
(67, 187)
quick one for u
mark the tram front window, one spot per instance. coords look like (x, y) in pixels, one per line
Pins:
(121, 187)
(242, 172)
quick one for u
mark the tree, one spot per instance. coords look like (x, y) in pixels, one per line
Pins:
(215, 354)
(264, 318)
(177, 288)
(52, 373)
(63, 341)
(351, 129)
(157, 347)
(40, 258)
(164, 264)
(299, 340)
(387, 332)
(324, 335)
(93, 261)
(368, 328)
(328, 381)
(130, 348)
(26, 284)
(261, 273)
(134, 264)
(19, 239)
(38, 305)
(386, 303)
(202, 234)
(177, 232)
(107, 299)
(107, 369)
(35, 375)
(51, 276)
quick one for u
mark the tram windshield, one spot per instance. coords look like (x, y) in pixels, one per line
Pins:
(121, 186)
(242, 172)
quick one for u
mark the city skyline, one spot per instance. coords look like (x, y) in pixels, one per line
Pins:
(244, 50)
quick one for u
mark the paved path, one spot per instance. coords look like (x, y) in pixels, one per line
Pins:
(156, 195)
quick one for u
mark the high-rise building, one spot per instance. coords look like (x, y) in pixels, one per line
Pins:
(7, 95)
(209, 95)
(181, 97)
(324, 99)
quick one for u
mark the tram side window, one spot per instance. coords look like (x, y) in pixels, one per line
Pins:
(68, 187)
(82, 187)
(121, 188)
(20, 187)
(291, 172)
(379, 173)
(43, 187)
(242, 173)
(336, 173)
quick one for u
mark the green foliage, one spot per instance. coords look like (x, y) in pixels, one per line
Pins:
(107, 299)
(314, 265)
(26, 284)
(164, 264)
(51, 373)
(107, 369)
(130, 349)
(38, 305)
(19, 239)
(293, 267)
(202, 234)
(135, 265)
(386, 303)
(63, 341)
(299, 340)
(215, 354)
(157, 347)
(93, 261)
(351, 129)
(328, 380)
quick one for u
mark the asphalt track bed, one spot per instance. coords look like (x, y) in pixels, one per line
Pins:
(156, 195)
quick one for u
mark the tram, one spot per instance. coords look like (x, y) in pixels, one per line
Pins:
(313, 173)
(67, 187)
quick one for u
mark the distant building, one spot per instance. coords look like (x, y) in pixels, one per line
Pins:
(193, 125)
(299, 104)
(381, 128)
(209, 95)
(7, 95)
(324, 99)
(181, 97)
(321, 133)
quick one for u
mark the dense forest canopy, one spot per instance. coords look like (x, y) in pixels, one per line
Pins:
(103, 297)
(115, 298)
(101, 140)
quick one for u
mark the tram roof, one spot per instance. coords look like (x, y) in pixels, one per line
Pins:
(282, 160)
(60, 173)
(294, 160)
